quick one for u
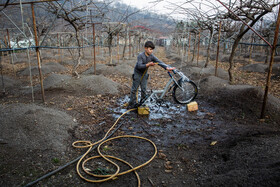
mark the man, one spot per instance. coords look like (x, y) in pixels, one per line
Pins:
(140, 77)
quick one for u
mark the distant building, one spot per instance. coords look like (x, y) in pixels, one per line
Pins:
(163, 41)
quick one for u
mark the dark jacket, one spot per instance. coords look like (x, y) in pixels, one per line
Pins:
(142, 60)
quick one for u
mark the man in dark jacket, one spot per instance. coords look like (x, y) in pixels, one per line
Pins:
(140, 76)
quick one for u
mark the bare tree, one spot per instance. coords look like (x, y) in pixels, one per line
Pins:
(5, 3)
(124, 34)
(112, 29)
(118, 20)
(205, 20)
(74, 13)
(250, 12)
(266, 29)
(208, 25)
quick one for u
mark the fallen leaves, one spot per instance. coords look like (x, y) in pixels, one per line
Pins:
(91, 111)
(167, 164)
(213, 143)
(168, 171)
(161, 156)
(210, 115)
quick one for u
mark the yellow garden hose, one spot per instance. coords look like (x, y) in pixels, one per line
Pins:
(89, 145)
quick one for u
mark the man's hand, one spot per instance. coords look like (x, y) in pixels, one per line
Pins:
(170, 69)
(150, 64)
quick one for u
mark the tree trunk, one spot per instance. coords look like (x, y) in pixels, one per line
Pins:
(74, 72)
(194, 47)
(209, 46)
(233, 50)
(133, 46)
(231, 57)
(125, 43)
(110, 40)
(139, 47)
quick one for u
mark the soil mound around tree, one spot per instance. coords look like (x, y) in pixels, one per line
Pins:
(50, 57)
(7, 66)
(197, 73)
(131, 63)
(212, 83)
(124, 70)
(46, 69)
(275, 69)
(71, 62)
(9, 83)
(55, 81)
(29, 126)
(261, 68)
(224, 58)
(121, 69)
(276, 59)
(245, 96)
(173, 56)
(97, 85)
(259, 58)
(93, 84)
(99, 69)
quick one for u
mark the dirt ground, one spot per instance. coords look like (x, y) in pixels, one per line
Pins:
(224, 143)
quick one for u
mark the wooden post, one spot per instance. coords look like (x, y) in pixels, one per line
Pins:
(2, 76)
(98, 47)
(194, 47)
(218, 48)
(11, 53)
(189, 46)
(94, 52)
(251, 49)
(37, 51)
(133, 46)
(198, 45)
(91, 51)
(129, 44)
(9, 41)
(137, 45)
(118, 47)
(270, 65)
(83, 51)
(61, 51)
(6, 44)
(58, 44)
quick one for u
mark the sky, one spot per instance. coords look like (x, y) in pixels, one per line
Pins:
(145, 4)
(165, 7)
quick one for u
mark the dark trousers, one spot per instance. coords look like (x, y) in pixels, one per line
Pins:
(138, 80)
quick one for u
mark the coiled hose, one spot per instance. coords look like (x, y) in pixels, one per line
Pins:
(89, 145)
